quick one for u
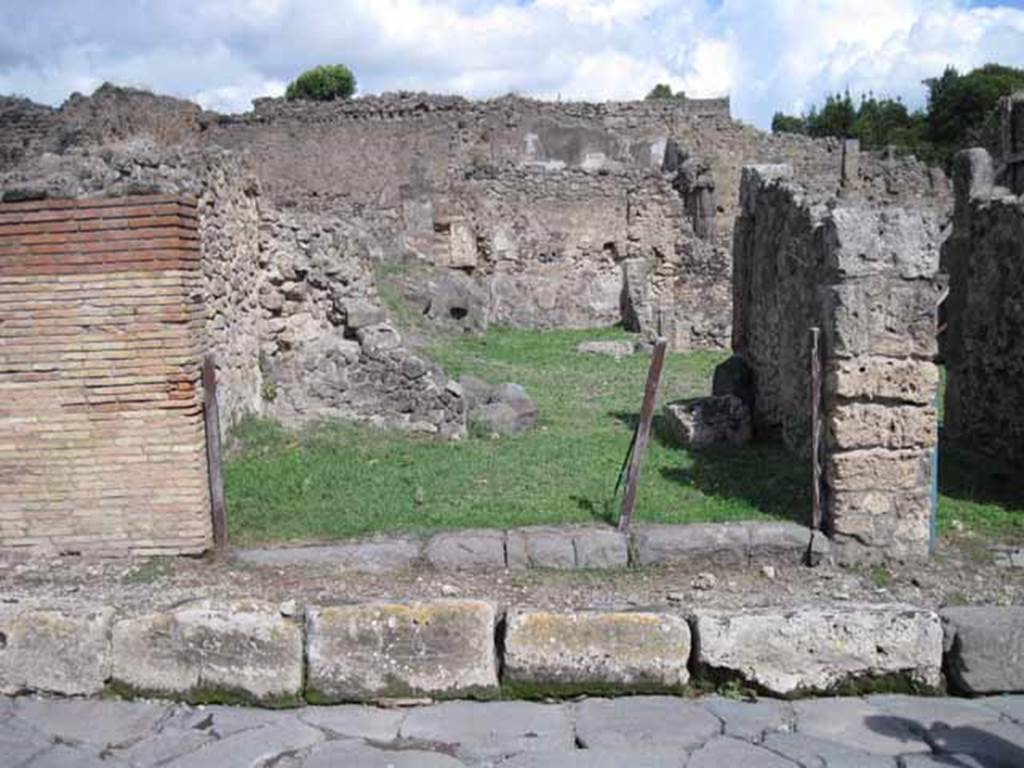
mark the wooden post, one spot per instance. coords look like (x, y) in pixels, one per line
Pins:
(211, 417)
(816, 428)
(643, 432)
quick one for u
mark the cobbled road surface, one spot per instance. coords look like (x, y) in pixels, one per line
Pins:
(639, 732)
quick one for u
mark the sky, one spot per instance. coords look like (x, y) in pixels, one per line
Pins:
(768, 55)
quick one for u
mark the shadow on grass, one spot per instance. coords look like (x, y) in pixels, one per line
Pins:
(763, 474)
(603, 511)
(970, 476)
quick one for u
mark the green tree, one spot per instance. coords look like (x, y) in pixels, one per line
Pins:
(783, 123)
(958, 105)
(323, 83)
(836, 118)
(664, 91)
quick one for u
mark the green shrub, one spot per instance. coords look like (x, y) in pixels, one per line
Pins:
(324, 83)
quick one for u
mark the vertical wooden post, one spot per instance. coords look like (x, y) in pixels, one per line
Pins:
(816, 428)
(643, 433)
(211, 417)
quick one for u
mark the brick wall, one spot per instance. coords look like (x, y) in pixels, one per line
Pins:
(101, 427)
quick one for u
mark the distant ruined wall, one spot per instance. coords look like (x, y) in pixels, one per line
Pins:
(867, 276)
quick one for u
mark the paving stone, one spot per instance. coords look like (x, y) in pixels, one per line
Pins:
(592, 758)
(600, 548)
(716, 544)
(252, 748)
(816, 649)
(647, 724)
(566, 653)
(541, 547)
(928, 712)
(19, 741)
(467, 550)
(811, 752)
(209, 648)
(378, 555)
(356, 754)
(66, 756)
(750, 720)
(58, 652)
(985, 648)
(786, 543)
(993, 744)
(855, 723)
(370, 651)
(1011, 707)
(101, 723)
(724, 751)
(491, 730)
(942, 761)
(356, 722)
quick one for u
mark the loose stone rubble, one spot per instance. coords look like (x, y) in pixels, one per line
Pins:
(721, 421)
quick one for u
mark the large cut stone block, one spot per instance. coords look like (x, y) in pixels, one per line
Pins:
(878, 469)
(877, 316)
(709, 422)
(985, 648)
(49, 651)
(787, 543)
(211, 651)
(883, 378)
(882, 241)
(467, 550)
(566, 653)
(871, 425)
(441, 649)
(819, 649)
(720, 544)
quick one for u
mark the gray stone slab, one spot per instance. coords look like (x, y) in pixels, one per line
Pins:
(985, 648)
(942, 761)
(541, 548)
(356, 754)
(19, 741)
(252, 748)
(855, 723)
(750, 720)
(476, 731)
(68, 756)
(101, 723)
(787, 544)
(467, 550)
(933, 712)
(715, 544)
(593, 758)
(600, 548)
(355, 722)
(993, 744)
(648, 724)
(811, 752)
(725, 751)
(378, 555)
(1011, 707)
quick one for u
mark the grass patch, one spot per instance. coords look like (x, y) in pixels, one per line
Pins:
(337, 479)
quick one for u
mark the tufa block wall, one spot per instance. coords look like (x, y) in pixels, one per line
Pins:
(102, 446)
(867, 276)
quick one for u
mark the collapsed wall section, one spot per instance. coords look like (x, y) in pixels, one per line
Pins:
(867, 277)
(103, 446)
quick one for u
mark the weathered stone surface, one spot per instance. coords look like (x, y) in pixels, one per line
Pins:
(616, 349)
(721, 544)
(50, 651)
(99, 723)
(734, 377)
(210, 650)
(479, 732)
(985, 648)
(817, 649)
(709, 422)
(856, 724)
(442, 649)
(540, 547)
(565, 653)
(253, 748)
(992, 744)
(355, 721)
(725, 751)
(929, 712)
(360, 313)
(600, 548)
(886, 241)
(506, 410)
(884, 378)
(787, 543)
(1012, 707)
(750, 720)
(807, 750)
(358, 754)
(592, 758)
(873, 524)
(377, 555)
(879, 469)
(467, 550)
(869, 425)
(644, 724)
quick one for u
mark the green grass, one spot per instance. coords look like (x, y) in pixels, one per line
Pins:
(339, 479)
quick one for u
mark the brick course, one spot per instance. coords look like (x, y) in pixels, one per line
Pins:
(101, 429)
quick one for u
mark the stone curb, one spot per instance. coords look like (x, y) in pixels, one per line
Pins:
(566, 548)
(252, 652)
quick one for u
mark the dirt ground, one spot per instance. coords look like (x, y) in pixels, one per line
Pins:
(962, 572)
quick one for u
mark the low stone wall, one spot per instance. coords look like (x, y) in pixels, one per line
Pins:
(867, 277)
(248, 651)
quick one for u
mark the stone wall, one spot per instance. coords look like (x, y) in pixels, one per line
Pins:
(984, 338)
(866, 275)
(103, 445)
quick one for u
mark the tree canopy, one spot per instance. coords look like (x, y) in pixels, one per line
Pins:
(664, 91)
(323, 83)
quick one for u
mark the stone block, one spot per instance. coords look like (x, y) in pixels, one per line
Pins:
(211, 651)
(818, 649)
(360, 313)
(735, 377)
(878, 469)
(709, 422)
(896, 242)
(377, 555)
(600, 548)
(541, 548)
(985, 648)
(51, 651)
(462, 250)
(883, 378)
(644, 724)
(722, 751)
(568, 653)
(879, 316)
(616, 349)
(871, 425)
(855, 724)
(467, 550)
(786, 543)
(715, 544)
(441, 649)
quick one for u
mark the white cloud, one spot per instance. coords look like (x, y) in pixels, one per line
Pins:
(768, 54)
